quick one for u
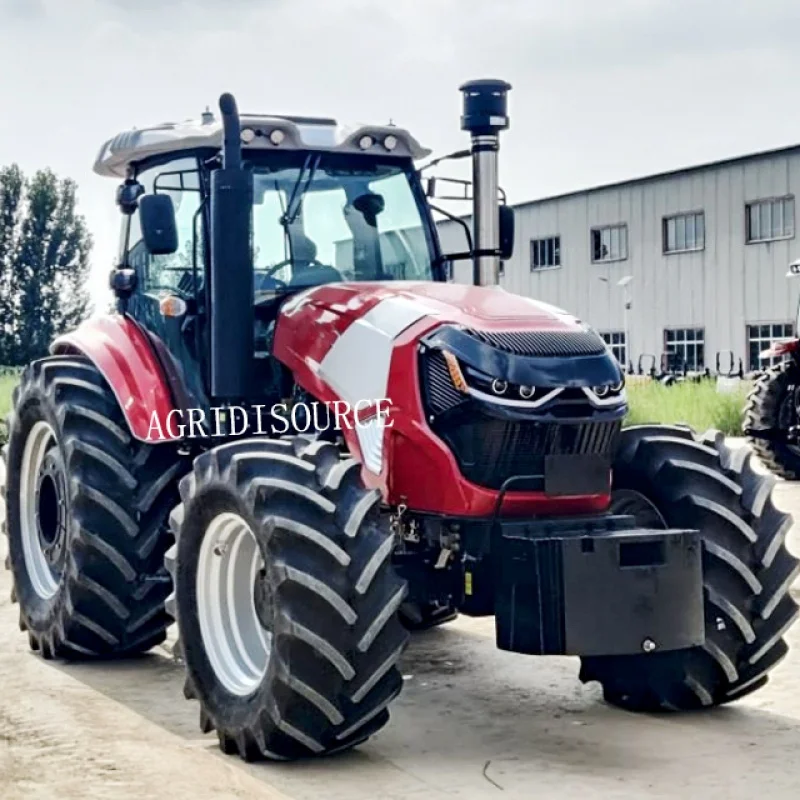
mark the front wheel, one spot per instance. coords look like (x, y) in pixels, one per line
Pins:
(286, 599)
(666, 477)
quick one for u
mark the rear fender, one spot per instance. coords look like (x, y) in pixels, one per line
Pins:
(125, 357)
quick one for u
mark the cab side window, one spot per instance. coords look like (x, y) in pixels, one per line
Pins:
(180, 180)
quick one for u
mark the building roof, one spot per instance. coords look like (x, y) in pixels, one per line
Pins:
(674, 173)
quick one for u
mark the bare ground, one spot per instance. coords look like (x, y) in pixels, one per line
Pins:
(472, 722)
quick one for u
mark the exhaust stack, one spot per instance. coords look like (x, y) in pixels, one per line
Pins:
(231, 284)
(485, 115)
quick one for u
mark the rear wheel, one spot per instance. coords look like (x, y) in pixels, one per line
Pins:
(771, 407)
(286, 599)
(669, 478)
(87, 511)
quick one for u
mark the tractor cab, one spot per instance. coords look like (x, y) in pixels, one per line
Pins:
(225, 219)
(313, 204)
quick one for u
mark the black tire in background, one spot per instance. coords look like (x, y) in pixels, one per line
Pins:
(668, 477)
(325, 599)
(111, 496)
(770, 407)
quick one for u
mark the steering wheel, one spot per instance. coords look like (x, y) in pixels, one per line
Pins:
(262, 277)
(286, 262)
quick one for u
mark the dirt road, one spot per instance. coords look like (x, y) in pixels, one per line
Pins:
(472, 723)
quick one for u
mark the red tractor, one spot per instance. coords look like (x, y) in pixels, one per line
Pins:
(297, 440)
(772, 412)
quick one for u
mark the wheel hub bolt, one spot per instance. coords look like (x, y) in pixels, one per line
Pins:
(648, 645)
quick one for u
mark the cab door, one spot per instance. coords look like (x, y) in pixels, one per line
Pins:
(170, 288)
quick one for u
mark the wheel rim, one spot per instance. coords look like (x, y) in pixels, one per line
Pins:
(235, 638)
(43, 511)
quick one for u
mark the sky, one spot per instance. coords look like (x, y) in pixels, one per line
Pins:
(602, 91)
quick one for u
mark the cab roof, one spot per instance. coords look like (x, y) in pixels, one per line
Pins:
(259, 132)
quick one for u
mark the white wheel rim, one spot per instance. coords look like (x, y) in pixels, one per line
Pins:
(44, 582)
(235, 642)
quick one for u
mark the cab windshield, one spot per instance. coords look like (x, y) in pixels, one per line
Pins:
(317, 218)
(325, 218)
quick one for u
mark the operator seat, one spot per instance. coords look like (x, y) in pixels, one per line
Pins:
(306, 270)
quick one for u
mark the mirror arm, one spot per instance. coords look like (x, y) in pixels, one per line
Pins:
(450, 157)
(470, 254)
(454, 218)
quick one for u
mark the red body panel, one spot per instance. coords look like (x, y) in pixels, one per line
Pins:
(417, 468)
(120, 350)
(781, 348)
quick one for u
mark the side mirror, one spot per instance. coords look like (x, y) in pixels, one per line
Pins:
(157, 221)
(506, 232)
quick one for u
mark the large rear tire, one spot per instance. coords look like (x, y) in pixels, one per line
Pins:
(286, 599)
(669, 478)
(86, 516)
(770, 406)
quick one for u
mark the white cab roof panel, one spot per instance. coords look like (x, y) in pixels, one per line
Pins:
(258, 133)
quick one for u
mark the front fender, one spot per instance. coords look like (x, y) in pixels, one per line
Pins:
(124, 356)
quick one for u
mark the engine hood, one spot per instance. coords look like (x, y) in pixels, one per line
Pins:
(483, 307)
(501, 335)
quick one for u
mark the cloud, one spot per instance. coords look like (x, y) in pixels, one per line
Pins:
(602, 90)
(576, 35)
(21, 9)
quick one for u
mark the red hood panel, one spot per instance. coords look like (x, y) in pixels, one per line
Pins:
(476, 306)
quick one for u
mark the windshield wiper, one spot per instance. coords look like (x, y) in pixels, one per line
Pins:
(295, 203)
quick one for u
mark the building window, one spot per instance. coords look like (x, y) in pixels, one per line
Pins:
(617, 344)
(684, 232)
(685, 347)
(546, 253)
(610, 243)
(762, 337)
(770, 219)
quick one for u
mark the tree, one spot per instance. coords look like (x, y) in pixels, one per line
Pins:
(44, 263)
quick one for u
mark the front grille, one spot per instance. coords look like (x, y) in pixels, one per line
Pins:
(490, 451)
(543, 343)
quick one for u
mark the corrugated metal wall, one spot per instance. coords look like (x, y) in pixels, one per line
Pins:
(722, 288)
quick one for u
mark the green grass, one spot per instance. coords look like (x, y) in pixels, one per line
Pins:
(7, 384)
(699, 405)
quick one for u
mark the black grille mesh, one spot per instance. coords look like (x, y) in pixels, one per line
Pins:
(543, 343)
(490, 451)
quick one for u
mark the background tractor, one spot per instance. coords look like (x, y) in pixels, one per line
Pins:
(772, 412)
(480, 466)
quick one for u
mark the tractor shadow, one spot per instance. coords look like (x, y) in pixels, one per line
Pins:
(472, 719)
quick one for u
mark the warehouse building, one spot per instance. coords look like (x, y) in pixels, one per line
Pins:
(691, 262)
